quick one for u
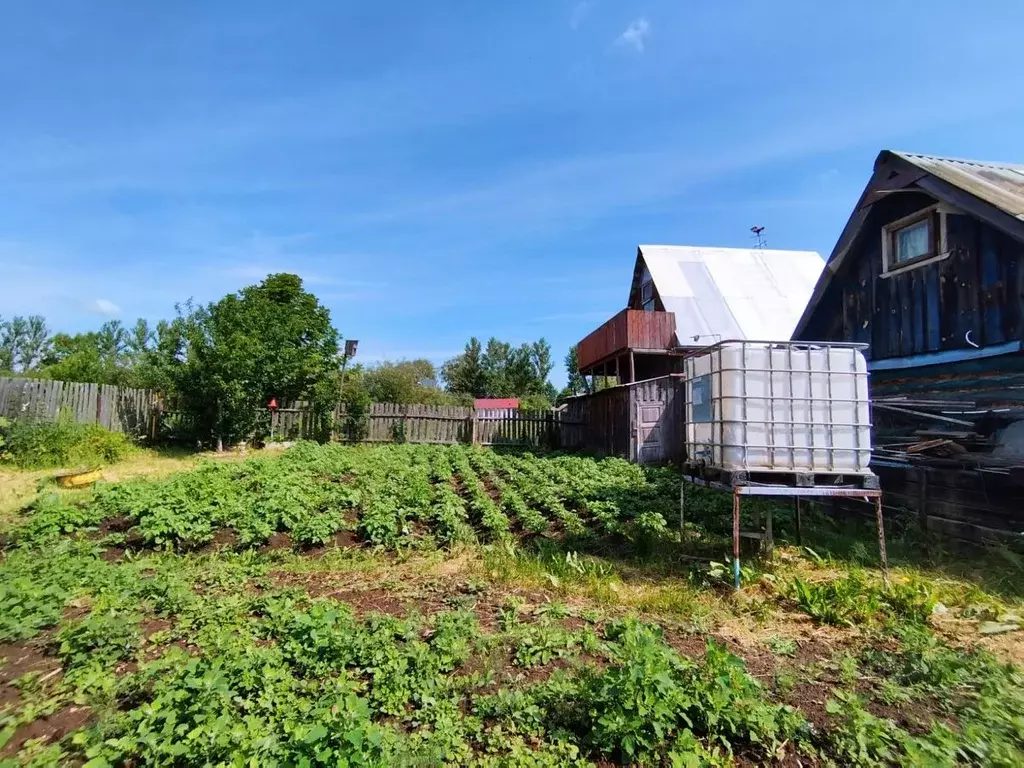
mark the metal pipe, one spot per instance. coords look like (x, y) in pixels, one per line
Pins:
(799, 532)
(736, 539)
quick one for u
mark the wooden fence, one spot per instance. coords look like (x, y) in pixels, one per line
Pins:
(390, 423)
(138, 412)
(121, 409)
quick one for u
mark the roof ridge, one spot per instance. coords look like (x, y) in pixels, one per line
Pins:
(966, 161)
(729, 248)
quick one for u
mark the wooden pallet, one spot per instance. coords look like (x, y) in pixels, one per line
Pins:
(735, 478)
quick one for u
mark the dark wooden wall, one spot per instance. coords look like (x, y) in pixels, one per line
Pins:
(979, 288)
(614, 420)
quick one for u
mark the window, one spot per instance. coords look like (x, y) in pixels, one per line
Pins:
(915, 240)
(647, 296)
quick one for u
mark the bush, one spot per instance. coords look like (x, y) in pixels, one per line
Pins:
(40, 445)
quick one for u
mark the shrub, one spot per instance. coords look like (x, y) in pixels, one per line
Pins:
(40, 445)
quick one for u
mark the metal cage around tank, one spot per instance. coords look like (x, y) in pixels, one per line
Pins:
(770, 476)
(809, 415)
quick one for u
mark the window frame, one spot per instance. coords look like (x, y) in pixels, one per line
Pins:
(935, 216)
(647, 298)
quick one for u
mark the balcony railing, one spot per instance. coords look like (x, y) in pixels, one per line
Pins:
(630, 329)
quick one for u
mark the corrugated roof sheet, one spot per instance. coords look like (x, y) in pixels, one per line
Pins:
(732, 293)
(496, 402)
(999, 184)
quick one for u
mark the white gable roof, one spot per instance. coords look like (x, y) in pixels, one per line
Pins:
(732, 293)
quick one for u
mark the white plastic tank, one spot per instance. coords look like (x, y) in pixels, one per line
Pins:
(779, 407)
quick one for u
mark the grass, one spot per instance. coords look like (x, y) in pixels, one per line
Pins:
(398, 605)
(19, 486)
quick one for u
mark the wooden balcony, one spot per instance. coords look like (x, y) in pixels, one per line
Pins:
(631, 329)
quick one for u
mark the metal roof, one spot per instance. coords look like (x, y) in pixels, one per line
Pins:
(732, 293)
(999, 184)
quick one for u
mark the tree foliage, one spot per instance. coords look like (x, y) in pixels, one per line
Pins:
(272, 340)
(501, 370)
(23, 343)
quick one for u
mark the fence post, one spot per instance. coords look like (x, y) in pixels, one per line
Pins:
(472, 427)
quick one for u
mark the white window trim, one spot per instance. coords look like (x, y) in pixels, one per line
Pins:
(889, 266)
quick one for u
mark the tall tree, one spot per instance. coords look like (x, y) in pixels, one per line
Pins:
(540, 354)
(23, 343)
(139, 339)
(272, 340)
(113, 341)
(465, 373)
(576, 383)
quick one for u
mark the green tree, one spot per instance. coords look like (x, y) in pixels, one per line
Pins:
(465, 373)
(406, 381)
(540, 354)
(78, 358)
(576, 383)
(272, 340)
(23, 343)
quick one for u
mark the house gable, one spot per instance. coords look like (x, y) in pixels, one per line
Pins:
(965, 293)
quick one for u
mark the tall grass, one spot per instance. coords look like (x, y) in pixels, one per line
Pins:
(63, 443)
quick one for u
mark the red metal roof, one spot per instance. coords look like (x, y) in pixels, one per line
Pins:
(496, 402)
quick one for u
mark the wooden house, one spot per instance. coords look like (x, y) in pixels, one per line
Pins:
(929, 274)
(682, 298)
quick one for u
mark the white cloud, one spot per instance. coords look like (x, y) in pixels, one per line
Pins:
(635, 34)
(579, 13)
(104, 307)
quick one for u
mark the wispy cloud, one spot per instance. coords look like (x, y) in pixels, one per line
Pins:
(635, 35)
(579, 13)
(104, 307)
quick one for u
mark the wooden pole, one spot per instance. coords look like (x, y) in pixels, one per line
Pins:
(618, 378)
(632, 367)
(922, 499)
(881, 538)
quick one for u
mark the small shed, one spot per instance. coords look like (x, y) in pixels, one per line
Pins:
(641, 421)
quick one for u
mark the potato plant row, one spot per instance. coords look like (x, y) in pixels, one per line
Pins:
(387, 496)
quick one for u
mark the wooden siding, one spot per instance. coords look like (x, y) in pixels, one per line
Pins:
(978, 289)
(629, 329)
(120, 409)
(618, 420)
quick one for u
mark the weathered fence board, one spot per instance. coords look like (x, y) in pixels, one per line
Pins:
(120, 409)
(439, 424)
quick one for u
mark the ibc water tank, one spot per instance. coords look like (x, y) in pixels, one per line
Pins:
(779, 407)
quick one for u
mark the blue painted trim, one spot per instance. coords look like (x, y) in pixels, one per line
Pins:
(947, 356)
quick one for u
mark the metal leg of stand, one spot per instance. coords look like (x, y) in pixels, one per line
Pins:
(736, 540)
(799, 531)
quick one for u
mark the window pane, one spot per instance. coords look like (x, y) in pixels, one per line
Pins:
(649, 306)
(912, 241)
(647, 291)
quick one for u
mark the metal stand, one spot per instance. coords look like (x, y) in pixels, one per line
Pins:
(821, 491)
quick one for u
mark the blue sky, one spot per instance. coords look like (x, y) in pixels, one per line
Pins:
(439, 170)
